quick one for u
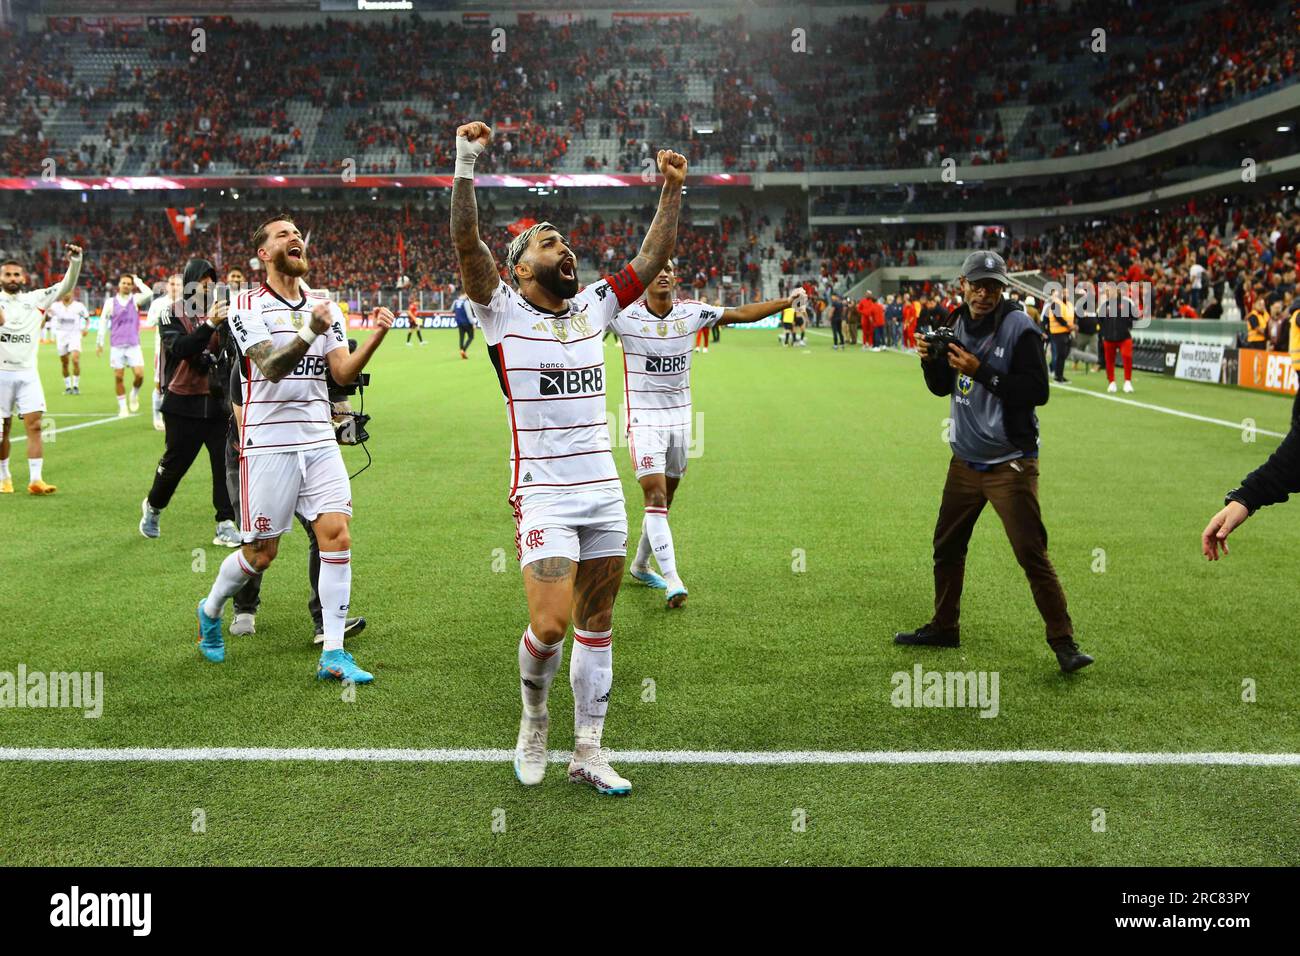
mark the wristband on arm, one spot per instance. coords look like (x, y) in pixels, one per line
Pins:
(466, 155)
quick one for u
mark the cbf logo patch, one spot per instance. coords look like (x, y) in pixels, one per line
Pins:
(965, 383)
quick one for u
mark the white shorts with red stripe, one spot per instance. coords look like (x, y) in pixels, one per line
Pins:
(659, 451)
(273, 486)
(579, 527)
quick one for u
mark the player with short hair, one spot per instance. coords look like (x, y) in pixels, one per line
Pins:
(155, 321)
(21, 316)
(413, 324)
(544, 339)
(657, 404)
(287, 335)
(120, 321)
(68, 320)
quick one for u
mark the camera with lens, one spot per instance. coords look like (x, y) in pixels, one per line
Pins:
(939, 340)
(349, 425)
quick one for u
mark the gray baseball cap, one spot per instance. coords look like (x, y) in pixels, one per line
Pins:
(984, 265)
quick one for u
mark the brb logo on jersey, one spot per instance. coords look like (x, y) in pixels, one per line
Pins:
(533, 539)
(666, 363)
(312, 365)
(586, 381)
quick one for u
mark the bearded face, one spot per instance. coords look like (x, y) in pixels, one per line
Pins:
(560, 279)
(12, 279)
(290, 261)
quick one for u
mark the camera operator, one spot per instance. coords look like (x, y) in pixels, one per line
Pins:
(193, 408)
(249, 598)
(991, 364)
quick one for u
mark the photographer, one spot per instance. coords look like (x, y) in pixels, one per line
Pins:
(192, 408)
(990, 362)
(249, 598)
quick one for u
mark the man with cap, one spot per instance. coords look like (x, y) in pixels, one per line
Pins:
(193, 410)
(995, 375)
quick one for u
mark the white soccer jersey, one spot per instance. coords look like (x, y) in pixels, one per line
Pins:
(292, 414)
(657, 361)
(24, 313)
(551, 367)
(67, 319)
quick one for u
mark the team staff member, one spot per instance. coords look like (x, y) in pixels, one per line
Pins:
(995, 378)
(464, 324)
(413, 324)
(1060, 326)
(1116, 312)
(193, 411)
(1257, 326)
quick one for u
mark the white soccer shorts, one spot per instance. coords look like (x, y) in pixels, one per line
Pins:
(659, 451)
(21, 392)
(125, 356)
(67, 342)
(570, 525)
(273, 486)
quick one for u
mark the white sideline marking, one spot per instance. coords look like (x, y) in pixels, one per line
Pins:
(1168, 411)
(723, 757)
(58, 430)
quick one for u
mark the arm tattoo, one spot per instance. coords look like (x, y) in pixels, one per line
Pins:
(658, 244)
(275, 364)
(478, 270)
(550, 569)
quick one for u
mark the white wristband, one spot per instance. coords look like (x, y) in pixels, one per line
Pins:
(466, 154)
(307, 334)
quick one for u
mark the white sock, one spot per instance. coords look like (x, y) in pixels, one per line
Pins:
(661, 540)
(335, 595)
(232, 575)
(76, 381)
(135, 392)
(157, 402)
(4, 468)
(34, 465)
(591, 674)
(538, 663)
(642, 559)
(67, 381)
(121, 401)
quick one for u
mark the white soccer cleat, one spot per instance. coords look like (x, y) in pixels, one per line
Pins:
(133, 403)
(158, 424)
(1128, 386)
(122, 412)
(244, 625)
(530, 750)
(1111, 388)
(227, 535)
(595, 770)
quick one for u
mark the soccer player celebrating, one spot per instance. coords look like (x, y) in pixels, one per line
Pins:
(289, 458)
(68, 318)
(20, 384)
(120, 320)
(657, 399)
(544, 339)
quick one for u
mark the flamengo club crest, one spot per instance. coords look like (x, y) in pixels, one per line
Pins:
(533, 539)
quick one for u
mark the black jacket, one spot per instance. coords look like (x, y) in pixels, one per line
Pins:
(180, 346)
(1022, 388)
(1278, 478)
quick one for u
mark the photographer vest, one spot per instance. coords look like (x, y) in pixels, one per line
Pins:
(979, 432)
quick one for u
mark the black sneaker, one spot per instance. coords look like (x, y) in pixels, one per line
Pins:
(1071, 658)
(351, 628)
(1063, 380)
(927, 636)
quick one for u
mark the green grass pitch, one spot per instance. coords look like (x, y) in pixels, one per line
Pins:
(826, 461)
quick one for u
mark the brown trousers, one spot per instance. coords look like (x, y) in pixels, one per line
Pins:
(1012, 489)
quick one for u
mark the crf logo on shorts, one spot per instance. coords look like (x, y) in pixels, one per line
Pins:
(533, 539)
(572, 382)
(262, 523)
(647, 461)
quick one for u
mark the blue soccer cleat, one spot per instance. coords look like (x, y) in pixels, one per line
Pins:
(676, 595)
(340, 666)
(211, 644)
(649, 579)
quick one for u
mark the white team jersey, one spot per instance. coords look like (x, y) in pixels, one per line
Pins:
(657, 361)
(551, 367)
(67, 319)
(156, 308)
(20, 335)
(292, 414)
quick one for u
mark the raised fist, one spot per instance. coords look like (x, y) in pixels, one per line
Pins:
(320, 318)
(673, 166)
(477, 133)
